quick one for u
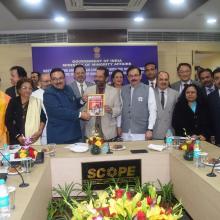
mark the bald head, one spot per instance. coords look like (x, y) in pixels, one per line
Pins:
(163, 80)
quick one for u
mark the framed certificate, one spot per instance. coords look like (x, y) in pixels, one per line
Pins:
(95, 105)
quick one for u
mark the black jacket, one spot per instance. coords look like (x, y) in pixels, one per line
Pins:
(195, 123)
(11, 91)
(13, 119)
(214, 114)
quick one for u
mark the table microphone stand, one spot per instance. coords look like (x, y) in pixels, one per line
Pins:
(23, 184)
(212, 174)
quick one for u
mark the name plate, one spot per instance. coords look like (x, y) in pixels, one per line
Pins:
(103, 174)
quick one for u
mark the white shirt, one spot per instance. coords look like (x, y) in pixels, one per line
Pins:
(154, 82)
(182, 85)
(152, 106)
(165, 96)
(79, 86)
(219, 92)
(39, 93)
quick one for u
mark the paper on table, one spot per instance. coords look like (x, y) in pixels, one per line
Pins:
(156, 147)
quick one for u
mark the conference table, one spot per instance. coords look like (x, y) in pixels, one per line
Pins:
(199, 194)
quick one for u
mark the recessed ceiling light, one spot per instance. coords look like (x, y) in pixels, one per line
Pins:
(138, 19)
(177, 2)
(33, 2)
(59, 19)
(211, 20)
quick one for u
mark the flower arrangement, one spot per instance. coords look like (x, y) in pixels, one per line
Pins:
(119, 203)
(26, 150)
(96, 143)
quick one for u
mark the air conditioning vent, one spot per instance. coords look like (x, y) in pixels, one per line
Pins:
(105, 5)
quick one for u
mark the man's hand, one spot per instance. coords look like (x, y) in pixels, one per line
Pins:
(148, 135)
(85, 98)
(85, 116)
(108, 109)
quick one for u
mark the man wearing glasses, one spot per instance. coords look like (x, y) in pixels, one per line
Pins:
(184, 71)
(63, 111)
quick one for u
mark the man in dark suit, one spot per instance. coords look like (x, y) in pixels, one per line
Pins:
(206, 79)
(184, 71)
(214, 107)
(63, 111)
(17, 73)
(79, 85)
(150, 77)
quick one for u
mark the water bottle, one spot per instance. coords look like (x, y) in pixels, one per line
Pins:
(169, 138)
(196, 154)
(6, 154)
(4, 201)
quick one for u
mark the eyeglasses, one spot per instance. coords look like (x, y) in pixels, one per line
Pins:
(57, 79)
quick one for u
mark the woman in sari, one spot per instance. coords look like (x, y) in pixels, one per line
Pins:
(4, 100)
(24, 116)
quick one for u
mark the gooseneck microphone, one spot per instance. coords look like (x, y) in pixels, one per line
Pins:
(23, 184)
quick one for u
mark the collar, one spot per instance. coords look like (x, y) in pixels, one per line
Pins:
(79, 84)
(165, 91)
(188, 82)
(212, 87)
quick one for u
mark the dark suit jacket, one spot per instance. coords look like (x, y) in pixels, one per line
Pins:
(11, 91)
(13, 119)
(62, 109)
(195, 123)
(214, 114)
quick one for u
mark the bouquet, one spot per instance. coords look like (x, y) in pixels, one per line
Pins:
(26, 150)
(118, 203)
(96, 143)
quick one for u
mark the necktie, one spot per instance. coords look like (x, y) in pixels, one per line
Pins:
(152, 84)
(210, 90)
(81, 90)
(162, 99)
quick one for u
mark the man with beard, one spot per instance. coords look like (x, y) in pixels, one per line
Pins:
(206, 80)
(63, 111)
(166, 99)
(151, 74)
(214, 107)
(79, 85)
(139, 108)
(105, 126)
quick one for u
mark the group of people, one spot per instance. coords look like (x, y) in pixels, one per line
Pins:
(47, 110)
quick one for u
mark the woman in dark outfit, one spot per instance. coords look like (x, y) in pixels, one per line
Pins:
(24, 116)
(190, 113)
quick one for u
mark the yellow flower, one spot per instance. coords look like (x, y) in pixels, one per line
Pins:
(98, 143)
(23, 155)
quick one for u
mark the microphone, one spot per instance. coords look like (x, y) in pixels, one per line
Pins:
(23, 184)
(212, 174)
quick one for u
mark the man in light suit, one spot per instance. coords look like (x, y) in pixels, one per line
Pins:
(105, 126)
(184, 71)
(166, 99)
(79, 85)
